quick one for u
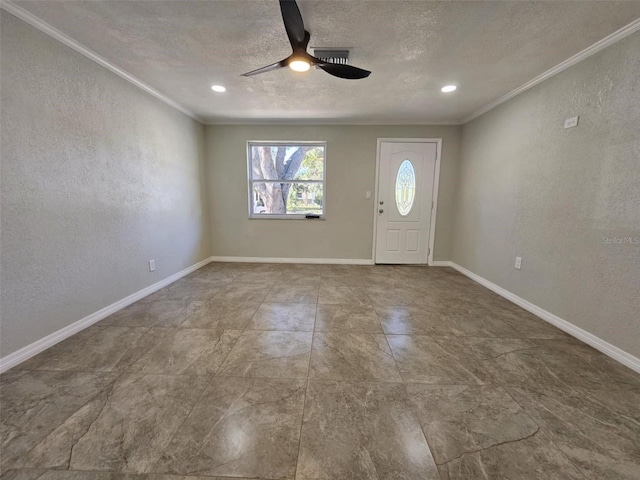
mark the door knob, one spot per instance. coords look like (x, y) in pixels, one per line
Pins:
(380, 211)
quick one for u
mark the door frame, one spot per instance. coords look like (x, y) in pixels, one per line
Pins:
(434, 199)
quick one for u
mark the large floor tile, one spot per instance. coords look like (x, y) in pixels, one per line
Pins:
(124, 428)
(333, 279)
(150, 312)
(242, 427)
(99, 351)
(40, 474)
(342, 295)
(596, 428)
(480, 349)
(422, 359)
(557, 363)
(242, 294)
(284, 316)
(215, 314)
(462, 419)
(481, 432)
(70, 475)
(269, 354)
(356, 318)
(472, 320)
(410, 319)
(352, 356)
(532, 458)
(527, 324)
(362, 431)
(259, 277)
(191, 290)
(293, 294)
(35, 404)
(385, 296)
(22, 474)
(212, 275)
(68, 343)
(186, 351)
(309, 277)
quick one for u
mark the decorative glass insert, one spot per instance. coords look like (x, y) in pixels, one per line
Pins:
(405, 187)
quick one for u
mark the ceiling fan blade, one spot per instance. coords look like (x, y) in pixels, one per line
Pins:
(293, 23)
(344, 71)
(268, 68)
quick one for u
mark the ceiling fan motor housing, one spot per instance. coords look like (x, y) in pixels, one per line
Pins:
(339, 56)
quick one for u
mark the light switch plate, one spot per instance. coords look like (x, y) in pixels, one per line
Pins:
(571, 122)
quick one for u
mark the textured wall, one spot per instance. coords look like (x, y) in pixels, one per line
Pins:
(528, 187)
(351, 167)
(97, 178)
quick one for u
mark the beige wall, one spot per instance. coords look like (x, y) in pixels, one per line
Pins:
(528, 187)
(97, 178)
(347, 231)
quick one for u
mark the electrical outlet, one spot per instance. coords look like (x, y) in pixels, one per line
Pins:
(152, 265)
(367, 195)
(571, 122)
(518, 263)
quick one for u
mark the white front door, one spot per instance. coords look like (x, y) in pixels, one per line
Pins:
(405, 201)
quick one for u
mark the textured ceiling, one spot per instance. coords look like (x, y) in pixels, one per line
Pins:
(413, 48)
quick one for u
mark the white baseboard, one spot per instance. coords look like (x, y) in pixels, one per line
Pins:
(590, 339)
(440, 263)
(321, 261)
(38, 346)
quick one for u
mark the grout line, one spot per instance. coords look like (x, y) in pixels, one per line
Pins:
(543, 430)
(306, 392)
(196, 403)
(411, 407)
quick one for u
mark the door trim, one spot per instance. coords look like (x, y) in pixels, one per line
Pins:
(436, 182)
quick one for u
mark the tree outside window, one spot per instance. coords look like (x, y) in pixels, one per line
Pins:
(286, 179)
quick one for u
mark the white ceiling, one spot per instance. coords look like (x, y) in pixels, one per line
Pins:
(413, 48)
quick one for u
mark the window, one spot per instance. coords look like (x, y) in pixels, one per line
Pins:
(286, 179)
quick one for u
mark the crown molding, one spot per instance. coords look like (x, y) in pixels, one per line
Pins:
(44, 27)
(578, 57)
(325, 122)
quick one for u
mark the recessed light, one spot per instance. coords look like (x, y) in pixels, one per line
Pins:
(299, 66)
(218, 88)
(449, 88)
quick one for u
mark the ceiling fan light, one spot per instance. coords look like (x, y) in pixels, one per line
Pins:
(299, 66)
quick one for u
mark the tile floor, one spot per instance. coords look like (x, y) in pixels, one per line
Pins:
(320, 372)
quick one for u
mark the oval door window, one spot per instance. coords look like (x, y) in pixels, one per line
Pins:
(405, 187)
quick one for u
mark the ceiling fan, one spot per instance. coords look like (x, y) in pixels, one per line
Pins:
(300, 60)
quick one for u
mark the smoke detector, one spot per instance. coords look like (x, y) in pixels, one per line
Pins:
(333, 55)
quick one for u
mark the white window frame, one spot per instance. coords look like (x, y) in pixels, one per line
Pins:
(251, 181)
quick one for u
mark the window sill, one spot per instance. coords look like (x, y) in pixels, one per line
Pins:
(285, 217)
